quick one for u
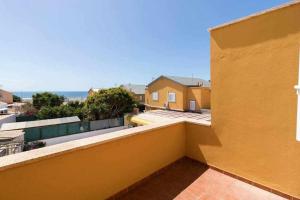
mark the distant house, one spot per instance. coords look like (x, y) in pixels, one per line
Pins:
(6, 96)
(137, 90)
(93, 90)
(178, 93)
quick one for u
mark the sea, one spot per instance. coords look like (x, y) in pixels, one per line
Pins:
(69, 95)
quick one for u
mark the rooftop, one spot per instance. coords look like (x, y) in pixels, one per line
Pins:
(186, 81)
(135, 88)
(38, 123)
(6, 135)
(168, 115)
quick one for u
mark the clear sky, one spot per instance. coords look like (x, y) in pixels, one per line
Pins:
(78, 44)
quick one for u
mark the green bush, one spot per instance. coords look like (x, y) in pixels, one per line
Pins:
(16, 98)
(46, 99)
(105, 104)
(67, 110)
(109, 103)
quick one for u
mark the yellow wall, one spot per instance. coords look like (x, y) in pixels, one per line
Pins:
(205, 98)
(95, 172)
(200, 95)
(183, 95)
(254, 67)
(163, 86)
(139, 98)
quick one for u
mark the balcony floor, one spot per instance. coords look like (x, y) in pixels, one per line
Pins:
(191, 180)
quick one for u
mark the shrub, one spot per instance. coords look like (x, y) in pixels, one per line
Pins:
(16, 98)
(109, 103)
(46, 99)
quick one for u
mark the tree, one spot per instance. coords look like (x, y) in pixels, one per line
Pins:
(16, 98)
(109, 103)
(68, 110)
(46, 99)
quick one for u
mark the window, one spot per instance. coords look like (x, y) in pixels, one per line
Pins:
(171, 97)
(155, 96)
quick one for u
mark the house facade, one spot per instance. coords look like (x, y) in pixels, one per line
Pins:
(178, 93)
(6, 96)
(138, 91)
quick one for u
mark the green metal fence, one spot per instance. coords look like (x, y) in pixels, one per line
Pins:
(46, 132)
(41, 133)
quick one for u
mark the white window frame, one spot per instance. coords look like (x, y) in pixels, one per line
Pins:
(172, 97)
(154, 96)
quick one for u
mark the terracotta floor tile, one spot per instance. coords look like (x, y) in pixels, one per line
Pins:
(191, 180)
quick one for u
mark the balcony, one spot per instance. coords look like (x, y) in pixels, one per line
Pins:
(187, 179)
(156, 161)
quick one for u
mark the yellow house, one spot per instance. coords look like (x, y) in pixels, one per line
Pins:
(178, 93)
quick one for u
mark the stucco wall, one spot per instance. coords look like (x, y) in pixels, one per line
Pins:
(139, 98)
(163, 86)
(200, 95)
(254, 67)
(205, 98)
(193, 94)
(94, 172)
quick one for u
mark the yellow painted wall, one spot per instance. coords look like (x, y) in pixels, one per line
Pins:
(163, 86)
(95, 172)
(205, 98)
(139, 98)
(254, 67)
(193, 94)
(200, 95)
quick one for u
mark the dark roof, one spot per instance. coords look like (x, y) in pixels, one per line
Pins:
(186, 81)
(135, 88)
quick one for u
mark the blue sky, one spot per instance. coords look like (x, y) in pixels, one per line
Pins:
(74, 45)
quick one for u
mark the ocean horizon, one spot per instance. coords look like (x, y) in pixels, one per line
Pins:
(66, 94)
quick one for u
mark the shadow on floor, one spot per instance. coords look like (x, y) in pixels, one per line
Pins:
(169, 183)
